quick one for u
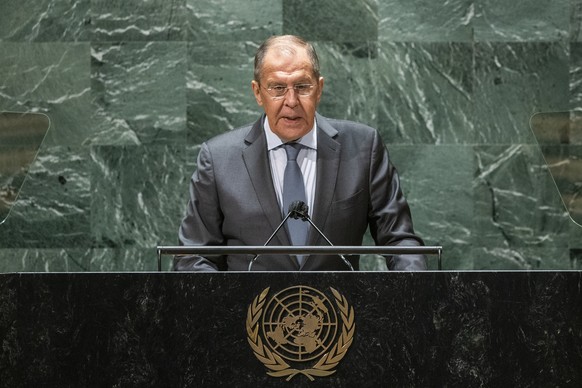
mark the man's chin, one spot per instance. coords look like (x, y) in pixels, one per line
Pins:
(291, 132)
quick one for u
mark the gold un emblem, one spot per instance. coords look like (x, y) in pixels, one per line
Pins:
(299, 327)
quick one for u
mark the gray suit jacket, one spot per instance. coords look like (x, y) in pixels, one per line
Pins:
(233, 201)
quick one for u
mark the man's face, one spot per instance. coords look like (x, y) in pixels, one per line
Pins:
(292, 116)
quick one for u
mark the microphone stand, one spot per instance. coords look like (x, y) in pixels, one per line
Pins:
(298, 209)
(305, 217)
(272, 236)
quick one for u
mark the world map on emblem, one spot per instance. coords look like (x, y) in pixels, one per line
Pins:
(300, 323)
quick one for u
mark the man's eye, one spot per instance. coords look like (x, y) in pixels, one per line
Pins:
(302, 88)
(278, 88)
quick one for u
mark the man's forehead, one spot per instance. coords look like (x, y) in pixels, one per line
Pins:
(285, 50)
(303, 75)
(287, 62)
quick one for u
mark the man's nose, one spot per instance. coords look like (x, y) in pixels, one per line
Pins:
(291, 97)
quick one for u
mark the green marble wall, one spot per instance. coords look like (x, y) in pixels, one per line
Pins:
(133, 87)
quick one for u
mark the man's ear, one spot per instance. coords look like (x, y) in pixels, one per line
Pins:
(319, 89)
(257, 92)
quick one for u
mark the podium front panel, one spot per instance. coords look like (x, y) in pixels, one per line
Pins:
(365, 329)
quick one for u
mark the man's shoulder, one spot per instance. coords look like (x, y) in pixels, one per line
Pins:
(347, 127)
(348, 124)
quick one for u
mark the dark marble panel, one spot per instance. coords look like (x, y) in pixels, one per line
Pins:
(350, 89)
(83, 331)
(50, 78)
(332, 20)
(45, 20)
(9, 353)
(500, 21)
(437, 182)
(514, 81)
(220, 97)
(52, 210)
(411, 329)
(139, 93)
(136, 20)
(139, 194)
(216, 21)
(426, 21)
(516, 201)
(426, 93)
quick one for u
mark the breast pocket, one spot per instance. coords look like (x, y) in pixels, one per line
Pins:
(358, 199)
(347, 219)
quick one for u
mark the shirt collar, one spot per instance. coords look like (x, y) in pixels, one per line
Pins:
(273, 141)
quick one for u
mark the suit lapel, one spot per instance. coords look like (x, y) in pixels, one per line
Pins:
(256, 160)
(328, 158)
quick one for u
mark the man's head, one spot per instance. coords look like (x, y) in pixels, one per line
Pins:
(288, 62)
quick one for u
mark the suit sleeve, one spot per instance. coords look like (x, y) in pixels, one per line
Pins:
(202, 224)
(389, 214)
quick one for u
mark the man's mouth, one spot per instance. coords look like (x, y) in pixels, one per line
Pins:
(292, 119)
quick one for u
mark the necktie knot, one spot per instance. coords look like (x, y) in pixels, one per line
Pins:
(292, 150)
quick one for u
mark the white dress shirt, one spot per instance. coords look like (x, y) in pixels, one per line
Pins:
(306, 159)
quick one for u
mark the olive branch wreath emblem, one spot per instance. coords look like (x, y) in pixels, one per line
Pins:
(277, 365)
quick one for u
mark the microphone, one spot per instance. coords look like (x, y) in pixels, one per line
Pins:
(298, 209)
(292, 210)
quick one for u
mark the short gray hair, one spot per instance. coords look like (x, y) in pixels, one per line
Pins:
(290, 42)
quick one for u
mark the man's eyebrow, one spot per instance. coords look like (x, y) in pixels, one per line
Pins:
(301, 81)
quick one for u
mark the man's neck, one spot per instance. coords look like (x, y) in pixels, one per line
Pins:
(274, 141)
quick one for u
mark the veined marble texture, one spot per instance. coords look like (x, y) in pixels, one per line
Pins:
(80, 260)
(511, 183)
(139, 93)
(497, 20)
(131, 20)
(45, 21)
(133, 88)
(447, 21)
(514, 81)
(219, 90)
(139, 207)
(413, 82)
(338, 21)
(350, 89)
(227, 21)
(50, 78)
(53, 209)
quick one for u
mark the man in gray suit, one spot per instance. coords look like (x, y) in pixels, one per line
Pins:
(236, 194)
